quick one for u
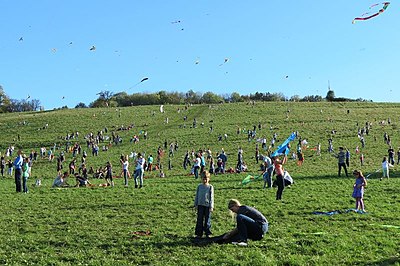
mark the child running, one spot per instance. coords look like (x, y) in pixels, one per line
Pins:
(204, 202)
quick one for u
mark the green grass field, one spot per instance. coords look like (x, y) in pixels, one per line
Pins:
(95, 226)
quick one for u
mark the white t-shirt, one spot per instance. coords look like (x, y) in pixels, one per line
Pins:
(139, 163)
(197, 162)
(125, 165)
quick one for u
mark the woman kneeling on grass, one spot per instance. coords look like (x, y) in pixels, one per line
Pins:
(251, 224)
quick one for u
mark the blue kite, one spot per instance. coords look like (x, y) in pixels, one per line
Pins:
(284, 147)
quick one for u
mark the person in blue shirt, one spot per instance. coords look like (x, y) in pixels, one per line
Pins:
(18, 171)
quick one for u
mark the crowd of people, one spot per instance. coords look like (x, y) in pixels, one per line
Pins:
(203, 164)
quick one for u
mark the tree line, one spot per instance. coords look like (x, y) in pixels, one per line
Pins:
(122, 99)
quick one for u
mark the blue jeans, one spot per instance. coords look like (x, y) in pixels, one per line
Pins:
(268, 177)
(25, 184)
(249, 229)
(196, 171)
(203, 223)
(18, 174)
(138, 174)
(126, 177)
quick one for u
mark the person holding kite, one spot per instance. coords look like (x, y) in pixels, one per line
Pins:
(279, 171)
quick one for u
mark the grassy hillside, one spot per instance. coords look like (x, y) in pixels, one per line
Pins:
(95, 226)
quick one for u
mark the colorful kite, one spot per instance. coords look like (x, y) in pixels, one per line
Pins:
(250, 178)
(365, 17)
(284, 147)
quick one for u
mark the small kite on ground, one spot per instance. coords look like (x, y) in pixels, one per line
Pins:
(250, 178)
(365, 17)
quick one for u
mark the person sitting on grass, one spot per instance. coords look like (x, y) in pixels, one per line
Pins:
(81, 181)
(251, 224)
(61, 180)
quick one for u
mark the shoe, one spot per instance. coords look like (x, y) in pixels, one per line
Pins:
(240, 243)
(136, 186)
(140, 186)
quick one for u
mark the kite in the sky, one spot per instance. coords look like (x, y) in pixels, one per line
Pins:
(176, 21)
(142, 80)
(21, 39)
(225, 61)
(365, 17)
(92, 48)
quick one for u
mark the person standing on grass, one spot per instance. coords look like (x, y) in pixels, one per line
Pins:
(347, 157)
(26, 171)
(150, 163)
(204, 203)
(18, 171)
(196, 166)
(125, 170)
(268, 171)
(391, 155)
(2, 165)
(358, 190)
(385, 167)
(280, 182)
(250, 224)
(139, 169)
(10, 166)
(341, 161)
(109, 177)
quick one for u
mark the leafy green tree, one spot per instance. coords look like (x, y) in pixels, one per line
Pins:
(4, 101)
(210, 97)
(81, 105)
(330, 96)
(236, 97)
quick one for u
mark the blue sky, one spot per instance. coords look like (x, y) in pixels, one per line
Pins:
(310, 42)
